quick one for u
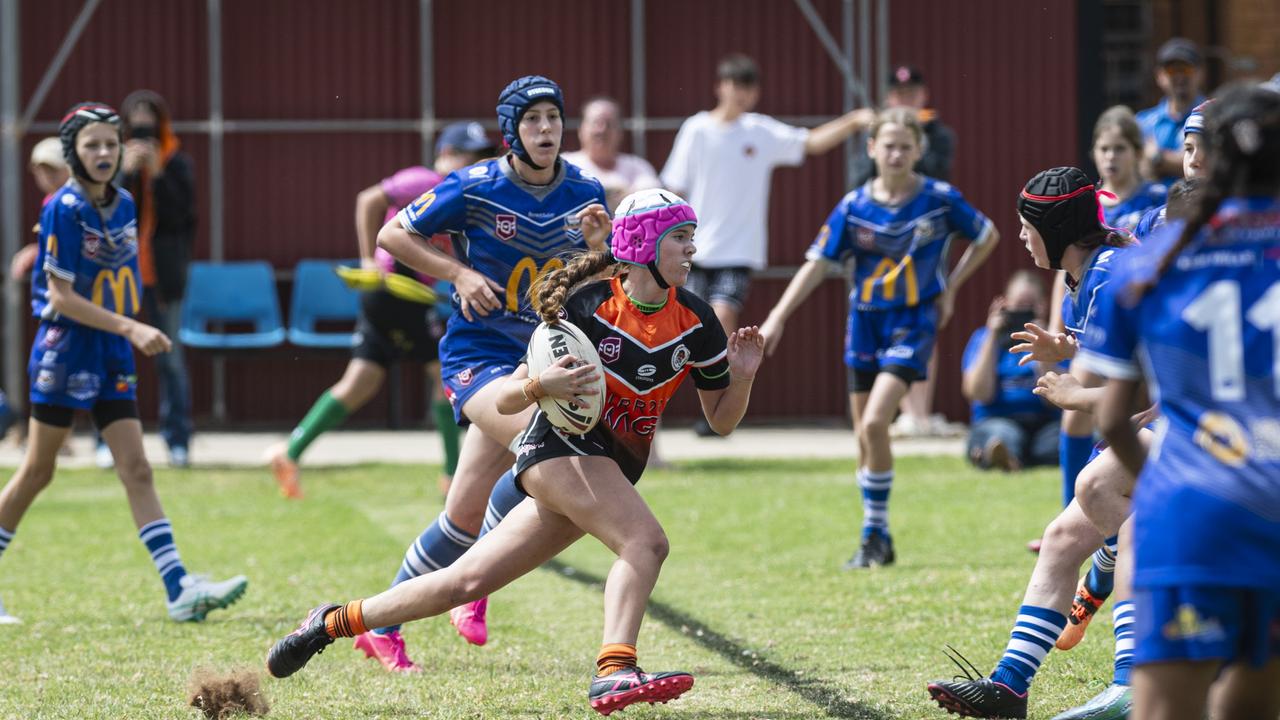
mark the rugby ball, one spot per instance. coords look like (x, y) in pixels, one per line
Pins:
(550, 343)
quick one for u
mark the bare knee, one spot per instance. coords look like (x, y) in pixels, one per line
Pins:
(1069, 537)
(34, 477)
(134, 472)
(873, 427)
(650, 548)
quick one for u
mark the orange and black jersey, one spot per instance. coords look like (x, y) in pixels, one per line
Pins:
(645, 357)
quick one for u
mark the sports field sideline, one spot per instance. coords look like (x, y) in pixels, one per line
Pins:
(347, 447)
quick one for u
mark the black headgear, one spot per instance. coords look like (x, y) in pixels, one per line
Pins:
(1062, 205)
(80, 115)
(515, 100)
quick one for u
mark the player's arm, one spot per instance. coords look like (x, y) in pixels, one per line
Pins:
(371, 207)
(725, 407)
(1113, 418)
(1078, 390)
(832, 133)
(972, 259)
(67, 302)
(810, 276)
(562, 380)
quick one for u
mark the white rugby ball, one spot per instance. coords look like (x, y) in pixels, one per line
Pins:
(550, 343)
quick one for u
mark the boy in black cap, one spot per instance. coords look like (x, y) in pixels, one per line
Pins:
(1180, 75)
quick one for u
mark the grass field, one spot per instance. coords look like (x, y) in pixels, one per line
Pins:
(751, 600)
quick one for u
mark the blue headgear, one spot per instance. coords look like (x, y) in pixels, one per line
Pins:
(515, 100)
(1195, 120)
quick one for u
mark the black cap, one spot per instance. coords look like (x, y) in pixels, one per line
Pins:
(1061, 204)
(905, 75)
(1179, 50)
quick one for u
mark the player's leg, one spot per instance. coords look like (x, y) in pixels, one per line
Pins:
(1074, 448)
(47, 430)
(531, 535)
(1068, 541)
(446, 425)
(1172, 690)
(360, 381)
(876, 474)
(1114, 702)
(189, 597)
(598, 498)
(1247, 692)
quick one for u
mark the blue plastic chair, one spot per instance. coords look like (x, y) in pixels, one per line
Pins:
(233, 292)
(319, 294)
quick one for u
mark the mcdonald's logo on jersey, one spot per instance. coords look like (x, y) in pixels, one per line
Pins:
(124, 286)
(527, 267)
(51, 246)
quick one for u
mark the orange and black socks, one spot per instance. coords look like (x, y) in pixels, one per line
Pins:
(346, 621)
(614, 657)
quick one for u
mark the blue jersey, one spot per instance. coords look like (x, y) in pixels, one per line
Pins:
(899, 252)
(1079, 305)
(1207, 505)
(1126, 215)
(1152, 220)
(93, 248)
(509, 231)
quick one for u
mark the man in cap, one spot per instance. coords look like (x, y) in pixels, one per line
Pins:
(1180, 76)
(907, 89)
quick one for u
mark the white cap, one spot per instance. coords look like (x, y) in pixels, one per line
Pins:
(48, 152)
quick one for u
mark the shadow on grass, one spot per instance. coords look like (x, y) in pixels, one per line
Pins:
(827, 697)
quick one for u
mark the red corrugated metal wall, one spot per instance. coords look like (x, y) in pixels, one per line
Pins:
(1002, 74)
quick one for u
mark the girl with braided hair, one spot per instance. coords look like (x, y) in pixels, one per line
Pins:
(85, 291)
(511, 219)
(651, 333)
(1195, 312)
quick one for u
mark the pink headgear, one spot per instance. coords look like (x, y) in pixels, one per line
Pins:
(642, 220)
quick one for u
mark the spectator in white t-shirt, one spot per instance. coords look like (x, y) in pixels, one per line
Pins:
(601, 138)
(722, 163)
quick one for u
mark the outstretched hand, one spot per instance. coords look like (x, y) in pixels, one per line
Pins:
(1042, 346)
(745, 352)
(596, 226)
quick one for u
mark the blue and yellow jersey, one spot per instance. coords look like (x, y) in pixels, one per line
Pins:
(1207, 340)
(93, 248)
(509, 231)
(1127, 214)
(899, 253)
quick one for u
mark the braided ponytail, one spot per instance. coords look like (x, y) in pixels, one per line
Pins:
(548, 293)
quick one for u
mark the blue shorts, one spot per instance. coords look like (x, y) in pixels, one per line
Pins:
(459, 387)
(1199, 622)
(75, 366)
(901, 336)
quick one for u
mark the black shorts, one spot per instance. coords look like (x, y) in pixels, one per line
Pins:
(390, 328)
(726, 285)
(104, 413)
(543, 441)
(861, 381)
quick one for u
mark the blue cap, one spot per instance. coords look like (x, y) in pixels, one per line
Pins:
(516, 99)
(466, 137)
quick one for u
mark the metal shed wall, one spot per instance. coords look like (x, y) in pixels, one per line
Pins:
(1002, 73)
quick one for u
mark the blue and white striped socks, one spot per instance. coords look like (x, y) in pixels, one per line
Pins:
(6, 537)
(1122, 615)
(158, 537)
(875, 501)
(504, 498)
(1101, 578)
(1034, 633)
(438, 547)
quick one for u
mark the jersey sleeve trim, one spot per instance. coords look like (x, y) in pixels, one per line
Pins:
(711, 361)
(988, 230)
(1107, 366)
(51, 267)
